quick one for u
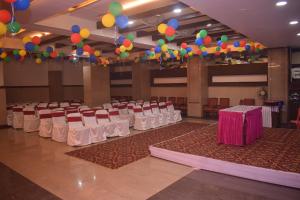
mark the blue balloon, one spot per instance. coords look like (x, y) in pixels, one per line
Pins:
(122, 21)
(1, 50)
(29, 46)
(79, 51)
(247, 47)
(49, 49)
(189, 49)
(22, 4)
(43, 58)
(121, 39)
(75, 29)
(219, 43)
(204, 53)
(148, 52)
(236, 44)
(93, 59)
(157, 49)
(174, 23)
(199, 41)
(173, 56)
(17, 57)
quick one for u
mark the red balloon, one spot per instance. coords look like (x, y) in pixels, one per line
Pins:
(127, 43)
(36, 40)
(53, 54)
(242, 43)
(5, 16)
(117, 51)
(184, 45)
(92, 51)
(170, 31)
(10, 1)
(217, 53)
(199, 52)
(75, 38)
(207, 40)
(87, 48)
(224, 46)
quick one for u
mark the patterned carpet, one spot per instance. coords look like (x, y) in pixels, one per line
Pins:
(278, 149)
(120, 152)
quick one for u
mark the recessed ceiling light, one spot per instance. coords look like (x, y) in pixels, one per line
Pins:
(293, 22)
(177, 10)
(208, 25)
(131, 22)
(281, 3)
(298, 34)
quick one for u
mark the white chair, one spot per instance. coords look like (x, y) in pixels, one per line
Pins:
(103, 120)
(163, 109)
(163, 119)
(9, 115)
(107, 106)
(141, 122)
(97, 133)
(75, 104)
(45, 128)
(130, 107)
(64, 104)
(53, 105)
(60, 127)
(124, 114)
(31, 120)
(174, 115)
(78, 135)
(18, 117)
(154, 118)
(122, 126)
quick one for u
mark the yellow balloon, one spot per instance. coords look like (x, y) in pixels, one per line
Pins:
(122, 48)
(162, 28)
(108, 20)
(3, 28)
(164, 47)
(175, 52)
(22, 52)
(97, 53)
(130, 47)
(38, 61)
(198, 35)
(26, 39)
(3, 55)
(84, 33)
(191, 53)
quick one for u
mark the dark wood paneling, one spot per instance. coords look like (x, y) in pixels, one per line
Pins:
(27, 86)
(168, 73)
(120, 85)
(241, 69)
(120, 75)
(72, 85)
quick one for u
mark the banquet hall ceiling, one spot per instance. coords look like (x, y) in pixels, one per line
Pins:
(53, 16)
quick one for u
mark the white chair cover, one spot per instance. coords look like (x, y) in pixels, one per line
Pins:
(53, 105)
(141, 122)
(163, 118)
(122, 126)
(107, 106)
(18, 117)
(154, 118)
(75, 105)
(31, 120)
(174, 115)
(124, 114)
(9, 115)
(103, 120)
(163, 109)
(97, 133)
(78, 135)
(60, 127)
(64, 104)
(45, 129)
(267, 116)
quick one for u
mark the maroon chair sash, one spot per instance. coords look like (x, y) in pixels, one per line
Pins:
(28, 112)
(122, 106)
(45, 116)
(71, 111)
(115, 106)
(154, 106)
(162, 107)
(41, 108)
(130, 107)
(102, 116)
(58, 114)
(169, 103)
(70, 108)
(74, 119)
(88, 114)
(137, 110)
(147, 108)
(17, 109)
(114, 113)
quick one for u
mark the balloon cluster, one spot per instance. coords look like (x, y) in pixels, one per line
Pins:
(78, 34)
(126, 44)
(7, 21)
(202, 41)
(114, 16)
(185, 50)
(169, 29)
(222, 44)
(4, 56)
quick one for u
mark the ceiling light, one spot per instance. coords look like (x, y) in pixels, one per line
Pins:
(177, 10)
(135, 3)
(208, 25)
(298, 34)
(281, 3)
(293, 22)
(131, 22)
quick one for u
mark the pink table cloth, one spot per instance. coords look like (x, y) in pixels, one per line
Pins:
(240, 125)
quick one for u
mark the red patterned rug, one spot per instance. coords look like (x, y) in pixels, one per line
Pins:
(120, 152)
(278, 149)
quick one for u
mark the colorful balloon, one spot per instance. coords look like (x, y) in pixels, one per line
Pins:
(115, 8)
(108, 20)
(224, 46)
(75, 38)
(53, 54)
(79, 51)
(127, 43)
(97, 53)
(36, 40)
(122, 48)
(122, 21)
(5, 16)
(49, 49)
(87, 48)
(117, 51)
(84, 33)
(157, 49)
(170, 38)
(224, 38)
(203, 33)
(130, 37)
(10, 1)
(14, 27)
(207, 40)
(3, 55)
(46, 54)
(199, 41)
(161, 42)
(236, 44)
(162, 28)
(164, 47)
(3, 28)
(22, 52)
(22, 4)
(29, 46)
(184, 45)
(26, 39)
(174, 23)
(38, 61)
(75, 29)
(170, 31)
(242, 43)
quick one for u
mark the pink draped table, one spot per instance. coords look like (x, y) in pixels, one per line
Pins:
(240, 125)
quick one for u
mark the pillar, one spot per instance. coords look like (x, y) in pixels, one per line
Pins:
(197, 86)
(278, 61)
(2, 97)
(141, 88)
(96, 84)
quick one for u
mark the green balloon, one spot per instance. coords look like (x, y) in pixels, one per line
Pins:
(203, 33)
(218, 49)
(61, 54)
(115, 8)
(80, 45)
(15, 52)
(161, 42)
(224, 38)
(45, 54)
(130, 37)
(7, 59)
(124, 54)
(170, 38)
(183, 52)
(14, 27)
(36, 48)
